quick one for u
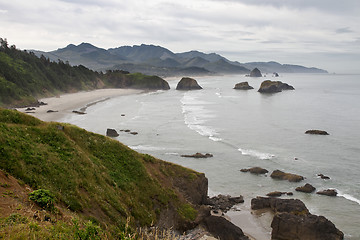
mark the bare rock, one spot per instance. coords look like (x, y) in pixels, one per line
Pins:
(316, 132)
(224, 202)
(255, 170)
(188, 84)
(328, 192)
(111, 132)
(198, 155)
(269, 86)
(243, 86)
(223, 229)
(304, 227)
(277, 174)
(255, 73)
(276, 194)
(307, 188)
(294, 206)
(322, 176)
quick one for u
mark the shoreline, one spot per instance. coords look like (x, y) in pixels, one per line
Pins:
(253, 225)
(64, 104)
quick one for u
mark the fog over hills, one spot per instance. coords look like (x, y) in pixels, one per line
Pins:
(157, 60)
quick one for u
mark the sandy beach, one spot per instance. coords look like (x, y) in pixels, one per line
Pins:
(65, 104)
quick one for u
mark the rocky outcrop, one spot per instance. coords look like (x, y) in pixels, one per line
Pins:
(304, 227)
(278, 194)
(188, 84)
(328, 192)
(322, 176)
(198, 155)
(275, 74)
(223, 229)
(307, 188)
(293, 220)
(223, 202)
(317, 132)
(111, 132)
(255, 73)
(269, 86)
(277, 174)
(255, 170)
(243, 86)
(294, 206)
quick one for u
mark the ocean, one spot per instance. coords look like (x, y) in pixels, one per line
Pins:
(244, 129)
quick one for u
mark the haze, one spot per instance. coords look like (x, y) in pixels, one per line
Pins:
(322, 33)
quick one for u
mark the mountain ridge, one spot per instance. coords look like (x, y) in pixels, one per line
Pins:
(162, 61)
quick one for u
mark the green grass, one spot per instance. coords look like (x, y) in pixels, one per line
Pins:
(92, 175)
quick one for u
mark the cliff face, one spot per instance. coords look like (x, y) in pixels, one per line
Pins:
(94, 177)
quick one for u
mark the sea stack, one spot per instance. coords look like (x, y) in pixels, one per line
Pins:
(255, 73)
(243, 86)
(269, 86)
(187, 83)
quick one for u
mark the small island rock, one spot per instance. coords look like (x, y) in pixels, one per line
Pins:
(243, 86)
(307, 188)
(198, 155)
(275, 194)
(188, 84)
(328, 192)
(277, 174)
(269, 86)
(255, 73)
(111, 132)
(322, 176)
(317, 132)
(255, 170)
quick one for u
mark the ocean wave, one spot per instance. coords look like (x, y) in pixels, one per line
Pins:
(348, 197)
(257, 154)
(146, 148)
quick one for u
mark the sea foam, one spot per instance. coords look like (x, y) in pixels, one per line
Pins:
(257, 154)
(348, 197)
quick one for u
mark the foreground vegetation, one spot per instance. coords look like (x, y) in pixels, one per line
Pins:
(70, 183)
(24, 77)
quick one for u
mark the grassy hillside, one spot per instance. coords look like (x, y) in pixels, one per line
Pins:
(24, 77)
(91, 177)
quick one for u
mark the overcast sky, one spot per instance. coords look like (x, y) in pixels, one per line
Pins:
(319, 33)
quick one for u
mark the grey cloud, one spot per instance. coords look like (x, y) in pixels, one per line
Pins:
(344, 30)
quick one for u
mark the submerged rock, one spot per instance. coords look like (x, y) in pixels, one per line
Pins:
(111, 132)
(269, 86)
(307, 188)
(277, 174)
(317, 132)
(255, 73)
(188, 84)
(328, 192)
(255, 170)
(322, 176)
(198, 155)
(243, 86)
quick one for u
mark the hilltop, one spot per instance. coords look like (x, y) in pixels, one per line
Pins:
(157, 60)
(25, 77)
(97, 185)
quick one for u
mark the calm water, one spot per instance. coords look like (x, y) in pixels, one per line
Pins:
(245, 129)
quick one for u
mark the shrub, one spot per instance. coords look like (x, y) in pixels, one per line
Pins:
(43, 198)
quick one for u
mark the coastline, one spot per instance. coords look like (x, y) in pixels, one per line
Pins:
(66, 103)
(63, 105)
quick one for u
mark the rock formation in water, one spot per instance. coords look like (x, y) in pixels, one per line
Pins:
(255, 73)
(187, 83)
(293, 220)
(328, 192)
(307, 188)
(255, 170)
(277, 174)
(198, 155)
(243, 86)
(269, 86)
(111, 132)
(316, 132)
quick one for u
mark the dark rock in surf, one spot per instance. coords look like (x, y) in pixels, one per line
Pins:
(188, 84)
(255, 73)
(317, 132)
(78, 112)
(322, 176)
(277, 174)
(50, 111)
(198, 155)
(223, 202)
(223, 229)
(243, 86)
(328, 192)
(269, 86)
(294, 206)
(111, 133)
(307, 188)
(276, 194)
(255, 170)
(275, 74)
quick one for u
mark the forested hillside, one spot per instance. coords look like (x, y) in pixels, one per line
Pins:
(24, 77)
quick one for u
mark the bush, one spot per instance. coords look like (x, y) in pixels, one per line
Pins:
(43, 198)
